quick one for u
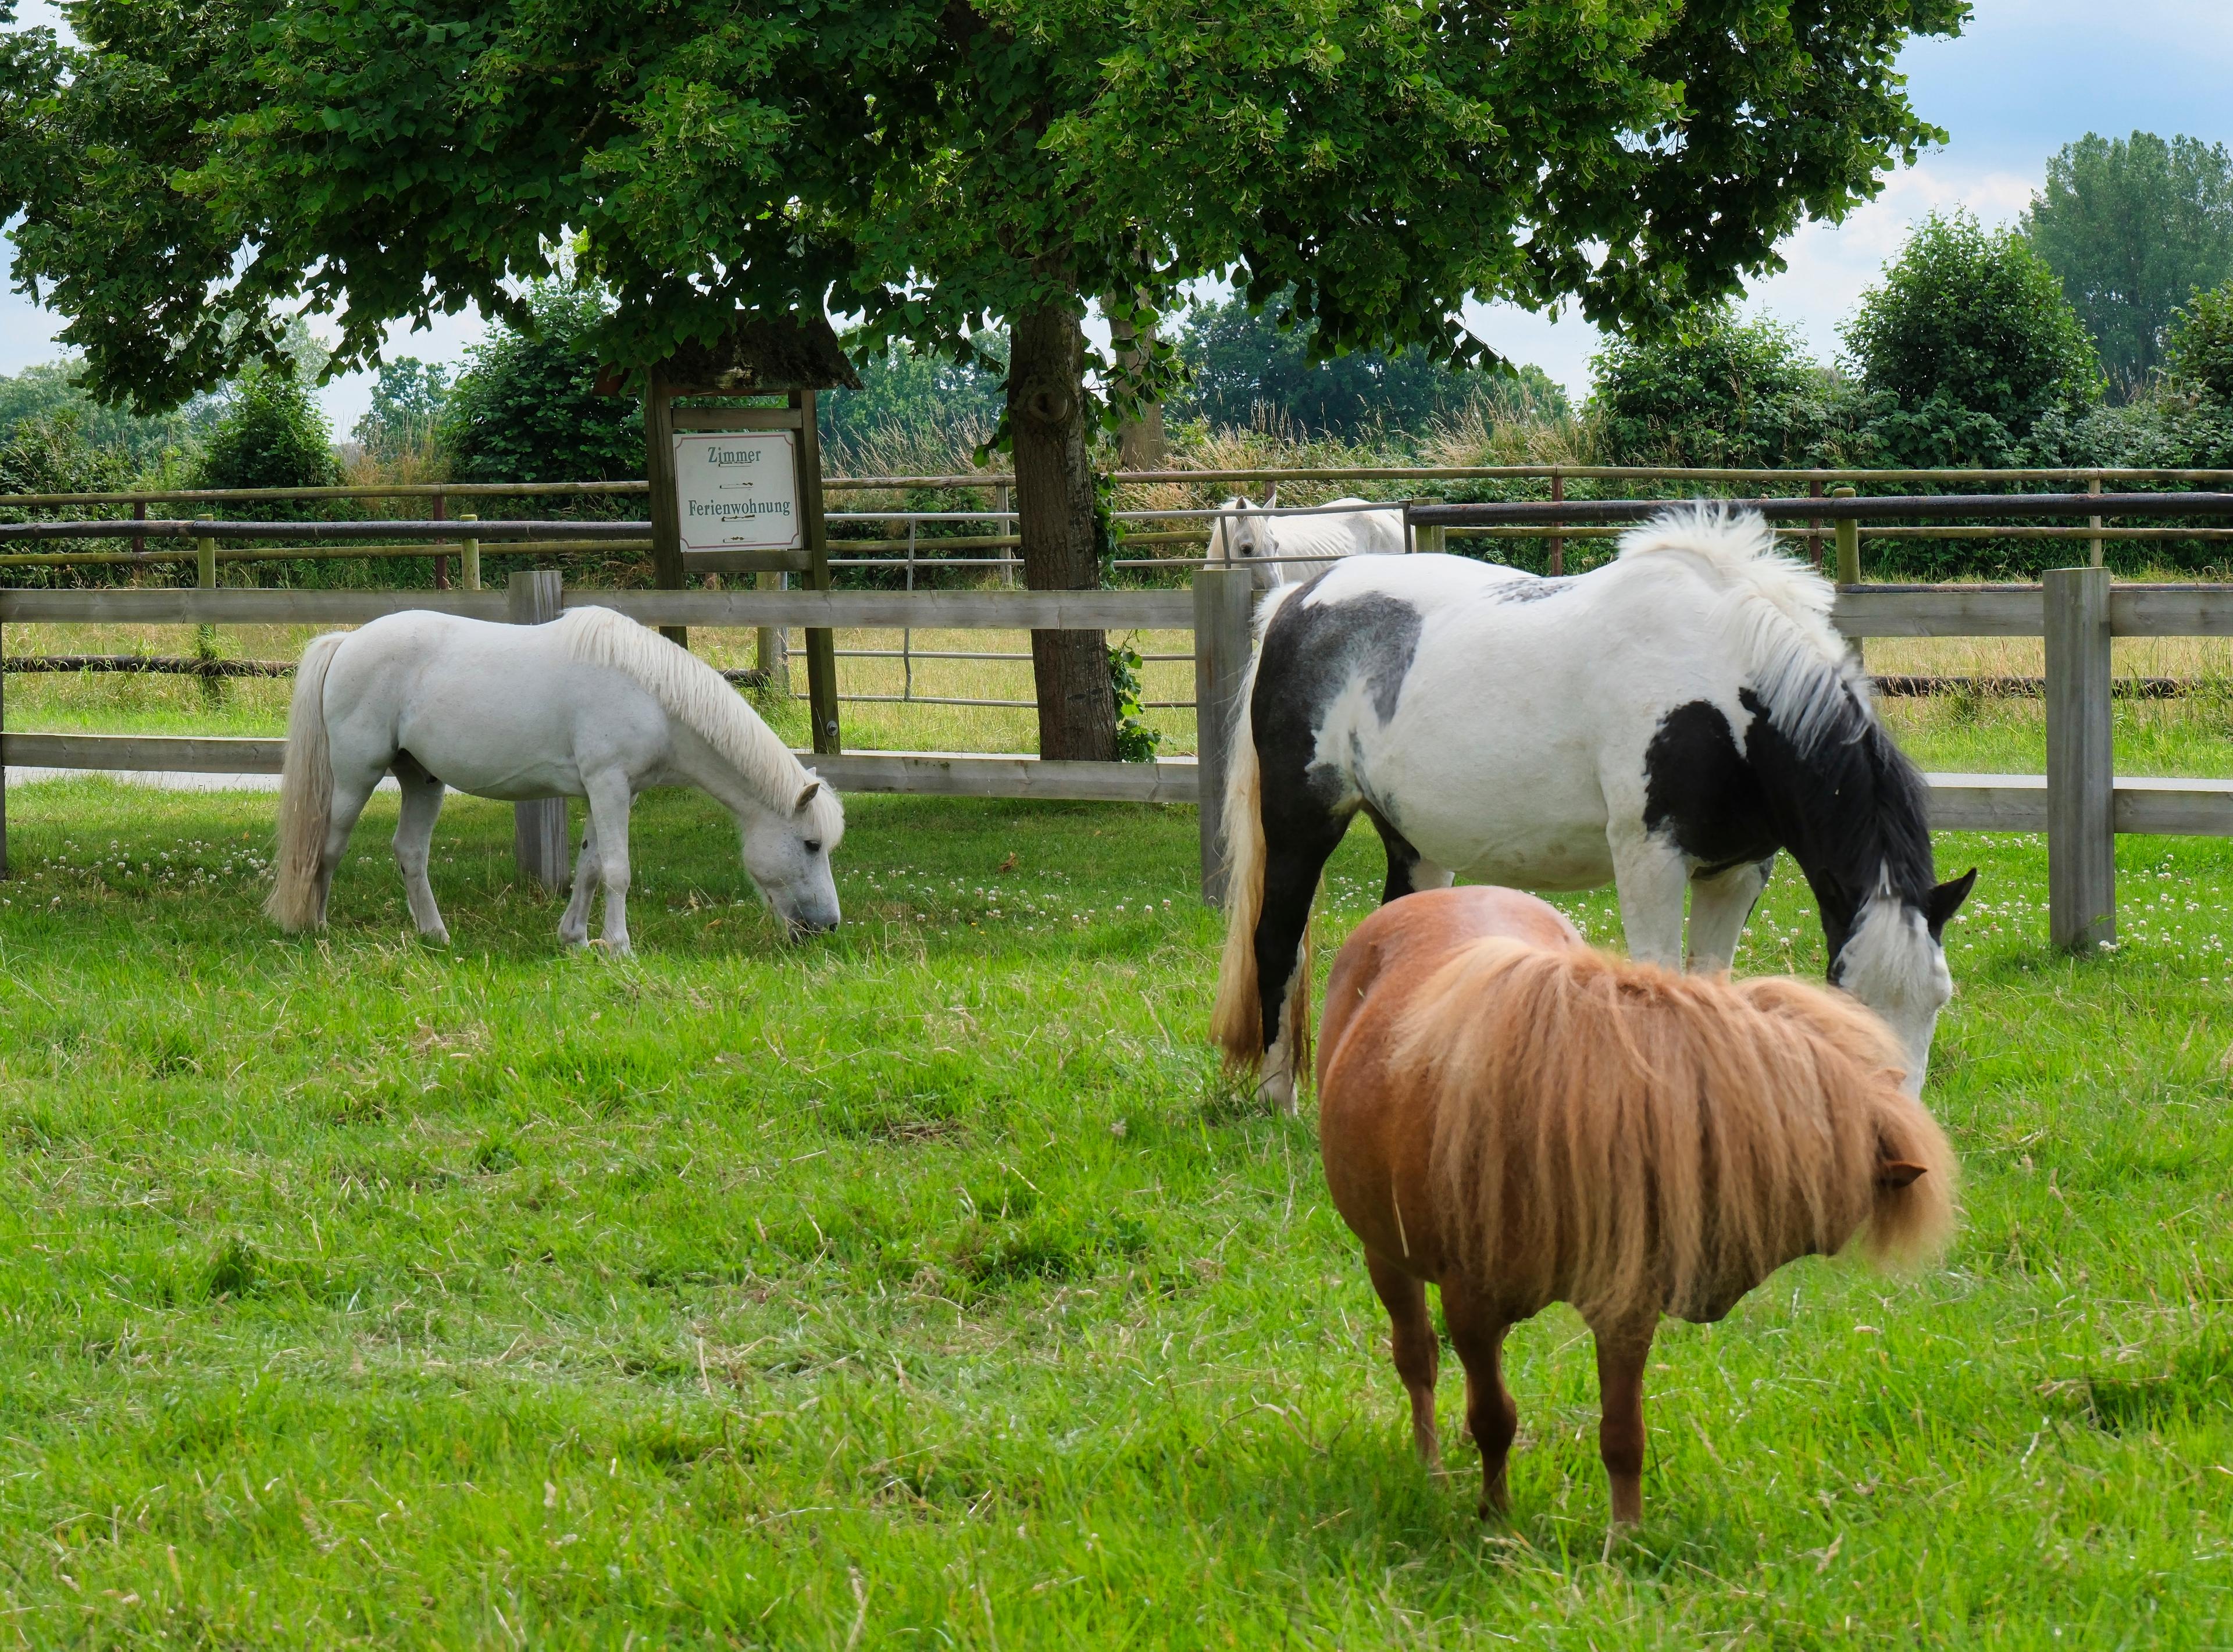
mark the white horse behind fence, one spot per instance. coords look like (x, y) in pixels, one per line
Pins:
(590, 705)
(1286, 549)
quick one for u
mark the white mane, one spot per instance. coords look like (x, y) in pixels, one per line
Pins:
(1777, 615)
(693, 692)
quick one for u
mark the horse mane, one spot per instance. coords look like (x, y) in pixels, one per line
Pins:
(694, 693)
(1631, 1140)
(1775, 613)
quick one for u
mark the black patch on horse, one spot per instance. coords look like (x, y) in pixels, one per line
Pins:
(1848, 810)
(1310, 653)
(1528, 590)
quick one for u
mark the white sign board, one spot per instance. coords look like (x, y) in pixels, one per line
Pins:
(739, 490)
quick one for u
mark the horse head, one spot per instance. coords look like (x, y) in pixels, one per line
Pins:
(1893, 959)
(787, 857)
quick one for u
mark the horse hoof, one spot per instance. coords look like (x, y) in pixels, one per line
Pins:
(435, 937)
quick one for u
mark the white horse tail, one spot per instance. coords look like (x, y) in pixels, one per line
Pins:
(1237, 1021)
(306, 794)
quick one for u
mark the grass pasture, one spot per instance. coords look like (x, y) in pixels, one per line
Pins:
(926, 1286)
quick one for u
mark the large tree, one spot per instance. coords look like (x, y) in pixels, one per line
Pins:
(2134, 228)
(200, 166)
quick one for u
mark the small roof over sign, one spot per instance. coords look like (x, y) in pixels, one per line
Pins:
(758, 355)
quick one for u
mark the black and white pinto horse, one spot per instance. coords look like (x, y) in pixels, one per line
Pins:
(1666, 722)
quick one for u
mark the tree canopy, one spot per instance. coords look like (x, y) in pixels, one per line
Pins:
(2134, 228)
(200, 167)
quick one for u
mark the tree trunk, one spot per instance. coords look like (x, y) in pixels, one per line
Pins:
(1054, 510)
(1140, 444)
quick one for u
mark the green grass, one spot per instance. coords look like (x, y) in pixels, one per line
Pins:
(926, 1286)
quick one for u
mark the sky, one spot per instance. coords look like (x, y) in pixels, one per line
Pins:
(2025, 78)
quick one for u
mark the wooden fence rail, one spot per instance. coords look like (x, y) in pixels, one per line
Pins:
(2078, 802)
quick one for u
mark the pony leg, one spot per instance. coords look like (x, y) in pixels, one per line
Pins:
(1622, 1350)
(1417, 1349)
(1650, 874)
(1477, 1333)
(573, 926)
(1291, 883)
(351, 793)
(414, 838)
(1721, 905)
(609, 798)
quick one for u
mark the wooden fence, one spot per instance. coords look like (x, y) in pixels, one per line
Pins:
(2079, 803)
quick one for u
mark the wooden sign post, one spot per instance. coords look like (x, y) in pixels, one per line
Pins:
(737, 489)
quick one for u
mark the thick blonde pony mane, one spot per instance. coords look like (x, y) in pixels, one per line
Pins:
(1634, 1140)
(693, 692)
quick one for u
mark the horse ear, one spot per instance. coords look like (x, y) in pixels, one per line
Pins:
(1272, 499)
(1946, 899)
(807, 795)
(1899, 1173)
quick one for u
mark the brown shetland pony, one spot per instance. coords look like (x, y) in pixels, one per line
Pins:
(1519, 1120)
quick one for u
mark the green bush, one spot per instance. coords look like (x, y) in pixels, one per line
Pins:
(526, 408)
(1715, 390)
(1965, 346)
(2199, 351)
(268, 433)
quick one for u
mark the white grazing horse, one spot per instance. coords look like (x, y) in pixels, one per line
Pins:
(1245, 534)
(590, 705)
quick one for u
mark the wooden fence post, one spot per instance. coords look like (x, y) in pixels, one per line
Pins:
(773, 655)
(1429, 538)
(1224, 605)
(1849, 542)
(538, 826)
(2093, 545)
(468, 558)
(1558, 544)
(205, 560)
(2081, 777)
(821, 644)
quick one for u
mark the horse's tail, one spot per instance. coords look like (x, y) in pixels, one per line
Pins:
(1237, 1021)
(306, 794)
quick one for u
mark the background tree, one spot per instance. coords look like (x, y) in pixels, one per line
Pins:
(525, 407)
(1967, 344)
(202, 167)
(408, 401)
(1245, 369)
(1714, 390)
(911, 401)
(2134, 227)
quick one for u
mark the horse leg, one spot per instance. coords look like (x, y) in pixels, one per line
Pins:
(1291, 883)
(1407, 872)
(1417, 1349)
(1721, 906)
(1650, 874)
(1622, 1350)
(574, 925)
(1477, 1333)
(351, 793)
(414, 838)
(610, 795)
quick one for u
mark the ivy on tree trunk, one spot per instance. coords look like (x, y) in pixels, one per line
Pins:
(1054, 512)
